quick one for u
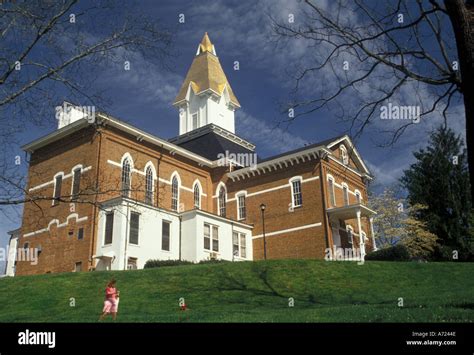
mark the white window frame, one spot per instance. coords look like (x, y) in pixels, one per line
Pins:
(126, 192)
(197, 184)
(56, 202)
(212, 228)
(136, 213)
(343, 153)
(218, 194)
(195, 114)
(150, 167)
(79, 167)
(331, 191)
(351, 230)
(169, 235)
(239, 244)
(357, 193)
(239, 207)
(345, 194)
(178, 179)
(293, 194)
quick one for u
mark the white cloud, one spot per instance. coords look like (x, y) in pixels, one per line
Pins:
(268, 137)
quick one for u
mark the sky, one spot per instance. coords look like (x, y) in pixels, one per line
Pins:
(241, 31)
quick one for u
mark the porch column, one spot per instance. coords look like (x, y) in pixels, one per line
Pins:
(371, 222)
(361, 239)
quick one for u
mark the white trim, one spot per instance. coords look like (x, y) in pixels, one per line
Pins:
(272, 188)
(347, 167)
(353, 149)
(59, 225)
(288, 230)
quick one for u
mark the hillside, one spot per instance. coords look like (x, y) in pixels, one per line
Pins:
(252, 292)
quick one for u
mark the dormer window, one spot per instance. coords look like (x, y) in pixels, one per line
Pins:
(343, 154)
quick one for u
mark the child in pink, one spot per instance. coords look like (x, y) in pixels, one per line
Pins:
(111, 301)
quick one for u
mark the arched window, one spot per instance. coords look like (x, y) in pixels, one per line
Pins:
(344, 157)
(126, 177)
(197, 196)
(345, 192)
(174, 194)
(357, 193)
(149, 186)
(222, 202)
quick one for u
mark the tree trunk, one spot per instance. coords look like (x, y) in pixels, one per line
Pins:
(461, 14)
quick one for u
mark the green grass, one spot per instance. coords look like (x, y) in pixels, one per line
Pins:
(252, 292)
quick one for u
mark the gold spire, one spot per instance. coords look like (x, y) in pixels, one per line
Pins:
(205, 74)
(205, 45)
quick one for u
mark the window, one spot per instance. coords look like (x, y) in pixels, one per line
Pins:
(134, 227)
(357, 196)
(242, 212)
(239, 246)
(58, 181)
(296, 191)
(207, 236)
(149, 186)
(343, 153)
(174, 194)
(165, 235)
(332, 197)
(222, 202)
(345, 192)
(235, 244)
(76, 183)
(78, 267)
(211, 233)
(26, 246)
(126, 178)
(132, 264)
(197, 196)
(215, 238)
(80, 234)
(195, 119)
(350, 236)
(109, 227)
(243, 245)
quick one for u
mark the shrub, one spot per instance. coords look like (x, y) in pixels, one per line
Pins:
(397, 252)
(162, 263)
(213, 261)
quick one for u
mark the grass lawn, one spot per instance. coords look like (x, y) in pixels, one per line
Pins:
(252, 292)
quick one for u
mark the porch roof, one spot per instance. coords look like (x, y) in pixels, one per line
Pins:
(350, 211)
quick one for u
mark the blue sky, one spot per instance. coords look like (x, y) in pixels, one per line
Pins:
(240, 31)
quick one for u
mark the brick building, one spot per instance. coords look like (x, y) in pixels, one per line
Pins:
(111, 196)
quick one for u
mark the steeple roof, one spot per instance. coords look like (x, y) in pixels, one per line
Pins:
(206, 73)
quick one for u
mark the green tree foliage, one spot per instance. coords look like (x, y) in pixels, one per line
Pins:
(419, 241)
(388, 224)
(439, 180)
